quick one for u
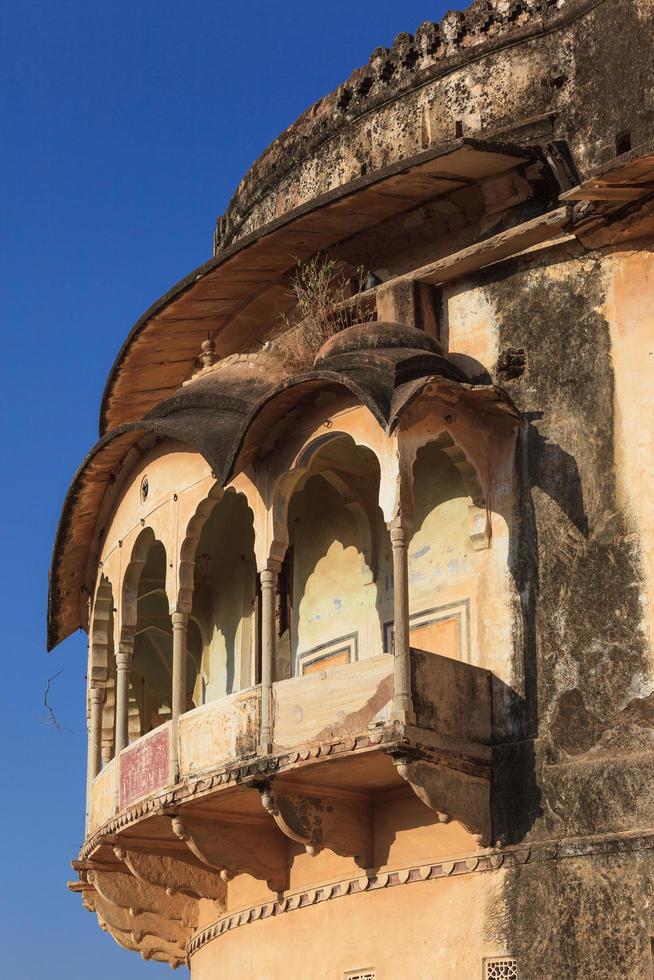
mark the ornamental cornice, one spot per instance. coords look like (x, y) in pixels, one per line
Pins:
(393, 740)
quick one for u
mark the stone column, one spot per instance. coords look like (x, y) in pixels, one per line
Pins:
(178, 700)
(94, 765)
(268, 592)
(402, 700)
(123, 667)
(94, 757)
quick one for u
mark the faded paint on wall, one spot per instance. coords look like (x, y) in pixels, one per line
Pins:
(219, 731)
(334, 592)
(337, 701)
(144, 765)
(223, 599)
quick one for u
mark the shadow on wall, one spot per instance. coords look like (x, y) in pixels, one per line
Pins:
(224, 597)
(516, 797)
(335, 576)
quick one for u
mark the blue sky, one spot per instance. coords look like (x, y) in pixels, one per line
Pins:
(126, 127)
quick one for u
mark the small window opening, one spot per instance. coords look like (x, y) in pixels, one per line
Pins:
(145, 489)
(622, 143)
(458, 128)
(359, 975)
(501, 968)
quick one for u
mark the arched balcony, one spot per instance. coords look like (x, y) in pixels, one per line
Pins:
(299, 595)
(321, 616)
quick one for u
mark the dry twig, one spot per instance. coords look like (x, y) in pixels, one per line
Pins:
(326, 302)
(53, 718)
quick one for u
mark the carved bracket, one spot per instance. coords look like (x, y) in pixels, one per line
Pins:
(341, 825)
(236, 848)
(142, 924)
(123, 890)
(150, 947)
(177, 876)
(150, 932)
(452, 794)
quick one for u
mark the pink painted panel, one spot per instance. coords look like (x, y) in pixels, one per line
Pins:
(144, 766)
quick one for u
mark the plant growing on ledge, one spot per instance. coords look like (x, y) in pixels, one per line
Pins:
(327, 301)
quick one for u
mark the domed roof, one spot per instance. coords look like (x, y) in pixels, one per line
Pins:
(385, 352)
(376, 335)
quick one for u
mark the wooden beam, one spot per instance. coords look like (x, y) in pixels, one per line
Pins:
(494, 249)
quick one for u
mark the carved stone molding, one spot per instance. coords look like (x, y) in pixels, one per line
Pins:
(143, 924)
(452, 794)
(174, 874)
(152, 935)
(317, 821)
(489, 861)
(150, 947)
(127, 892)
(391, 739)
(356, 886)
(236, 848)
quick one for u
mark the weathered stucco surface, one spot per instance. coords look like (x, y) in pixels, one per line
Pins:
(371, 678)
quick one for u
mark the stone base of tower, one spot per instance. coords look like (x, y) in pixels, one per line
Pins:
(384, 926)
(457, 919)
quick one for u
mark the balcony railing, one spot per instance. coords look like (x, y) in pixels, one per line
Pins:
(452, 713)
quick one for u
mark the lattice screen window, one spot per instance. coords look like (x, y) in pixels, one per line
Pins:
(360, 975)
(501, 968)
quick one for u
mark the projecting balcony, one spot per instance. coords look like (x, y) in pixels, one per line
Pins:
(339, 763)
(331, 729)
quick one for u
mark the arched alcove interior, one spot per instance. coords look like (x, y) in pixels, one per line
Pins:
(151, 675)
(222, 634)
(441, 556)
(329, 602)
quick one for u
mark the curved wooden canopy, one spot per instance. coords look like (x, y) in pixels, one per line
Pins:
(232, 294)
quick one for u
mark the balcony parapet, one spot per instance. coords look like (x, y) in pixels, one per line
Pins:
(323, 716)
(336, 754)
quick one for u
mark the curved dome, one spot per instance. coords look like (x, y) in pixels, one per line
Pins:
(387, 353)
(376, 335)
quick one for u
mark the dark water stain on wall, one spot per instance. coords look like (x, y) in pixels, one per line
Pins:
(580, 768)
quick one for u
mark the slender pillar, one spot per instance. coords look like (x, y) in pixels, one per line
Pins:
(268, 591)
(178, 700)
(123, 667)
(94, 758)
(402, 699)
(96, 699)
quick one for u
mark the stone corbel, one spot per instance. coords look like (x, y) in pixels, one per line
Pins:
(236, 848)
(176, 876)
(340, 825)
(122, 889)
(150, 947)
(144, 924)
(479, 526)
(452, 794)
